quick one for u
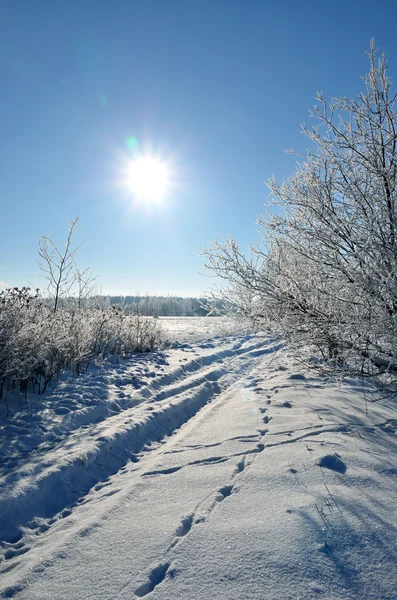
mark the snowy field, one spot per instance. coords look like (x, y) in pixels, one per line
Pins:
(216, 469)
(194, 329)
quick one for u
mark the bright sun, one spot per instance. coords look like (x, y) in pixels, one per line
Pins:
(148, 177)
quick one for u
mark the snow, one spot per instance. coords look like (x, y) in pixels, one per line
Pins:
(219, 468)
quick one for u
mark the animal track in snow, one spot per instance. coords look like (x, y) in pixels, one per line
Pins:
(203, 510)
(156, 576)
(185, 526)
(240, 466)
(11, 591)
(224, 492)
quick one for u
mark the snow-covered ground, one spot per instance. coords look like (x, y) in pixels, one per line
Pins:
(193, 329)
(216, 469)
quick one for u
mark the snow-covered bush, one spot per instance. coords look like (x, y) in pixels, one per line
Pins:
(37, 344)
(325, 271)
(65, 330)
(17, 337)
(115, 332)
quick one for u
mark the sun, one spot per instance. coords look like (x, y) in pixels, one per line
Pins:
(148, 177)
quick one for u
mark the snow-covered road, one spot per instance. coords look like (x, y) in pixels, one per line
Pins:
(218, 469)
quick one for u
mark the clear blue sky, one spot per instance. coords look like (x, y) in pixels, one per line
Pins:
(218, 87)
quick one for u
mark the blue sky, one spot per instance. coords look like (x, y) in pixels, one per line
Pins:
(218, 88)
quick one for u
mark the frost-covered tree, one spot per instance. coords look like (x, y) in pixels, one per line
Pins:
(326, 267)
(58, 265)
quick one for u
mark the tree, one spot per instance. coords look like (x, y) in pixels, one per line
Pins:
(326, 267)
(59, 267)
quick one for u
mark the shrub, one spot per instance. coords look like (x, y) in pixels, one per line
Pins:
(37, 344)
(326, 269)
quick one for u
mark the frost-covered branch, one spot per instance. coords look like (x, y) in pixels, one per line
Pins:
(325, 270)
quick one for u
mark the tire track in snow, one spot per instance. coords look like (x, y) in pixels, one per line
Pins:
(73, 469)
(150, 392)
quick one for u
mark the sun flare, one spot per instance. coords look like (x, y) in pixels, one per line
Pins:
(148, 177)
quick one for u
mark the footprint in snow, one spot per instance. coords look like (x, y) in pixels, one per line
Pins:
(11, 591)
(224, 492)
(185, 526)
(240, 466)
(156, 576)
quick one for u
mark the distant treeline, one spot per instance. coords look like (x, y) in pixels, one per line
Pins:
(164, 306)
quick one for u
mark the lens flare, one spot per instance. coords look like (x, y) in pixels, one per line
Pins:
(132, 143)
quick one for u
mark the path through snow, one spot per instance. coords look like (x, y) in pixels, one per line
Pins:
(233, 474)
